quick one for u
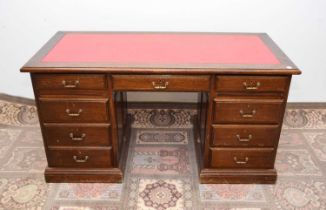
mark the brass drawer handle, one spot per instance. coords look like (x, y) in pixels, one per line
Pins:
(247, 115)
(80, 159)
(71, 114)
(245, 161)
(160, 85)
(251, 86)
(71, 135)
(244, 139)
(70, 84)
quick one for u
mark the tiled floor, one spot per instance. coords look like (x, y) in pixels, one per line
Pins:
(161, 169)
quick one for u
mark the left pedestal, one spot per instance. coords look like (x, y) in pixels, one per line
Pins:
(79, 127)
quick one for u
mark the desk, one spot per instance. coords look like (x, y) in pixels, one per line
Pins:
(80, 81)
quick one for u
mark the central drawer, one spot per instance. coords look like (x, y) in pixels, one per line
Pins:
(161, 83)
(242, 158)
(77, 135)
(247, 111)
(74, 111)
(80, 158)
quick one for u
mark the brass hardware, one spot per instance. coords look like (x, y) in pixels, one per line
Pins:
(251, 86)
(70, 84)
(247, 115)
(71, 135)
(73, 114)
(244, 139)
(80, 159)
(160, 85)
(245, 161)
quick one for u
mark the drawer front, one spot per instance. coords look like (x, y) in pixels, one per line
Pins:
(160, 83)
(69, 81)
(242, 158)
(80, 158)
(247, 112)
(74, 111)
(245, 135)
(252, 83)
(68, 135)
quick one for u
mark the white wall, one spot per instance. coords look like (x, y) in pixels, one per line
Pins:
(297, 26)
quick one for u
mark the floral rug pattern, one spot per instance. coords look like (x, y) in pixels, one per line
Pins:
(161, 172)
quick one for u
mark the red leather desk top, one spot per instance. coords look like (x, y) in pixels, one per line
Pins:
(161, 49)
(161, 52)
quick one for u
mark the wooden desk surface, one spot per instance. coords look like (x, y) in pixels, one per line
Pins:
(128, 52)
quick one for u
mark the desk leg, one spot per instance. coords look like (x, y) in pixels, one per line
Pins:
(123, 129)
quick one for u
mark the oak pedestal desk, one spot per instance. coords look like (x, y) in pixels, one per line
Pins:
(80, 81)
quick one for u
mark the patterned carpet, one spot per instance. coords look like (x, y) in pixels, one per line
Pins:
(161, 169)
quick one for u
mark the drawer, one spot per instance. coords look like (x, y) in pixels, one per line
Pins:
(77, 135)
(161, 83)
(247, 111)
(242, 158)
(80, 158)
(74, 111)
(252, 83)
(69, 81)
(245, 135)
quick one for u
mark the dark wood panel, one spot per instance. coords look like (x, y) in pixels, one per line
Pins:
(202, 113)
(247, 111)
(69, 81)
(253, 96)
(69, 94)
(238, 176)
(83, 175)
(163, 70)
(74, 111)
(77, 135)
(80, 157)
(251, 84)
(160, 83)
(242, 158)
(245, 135)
